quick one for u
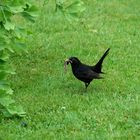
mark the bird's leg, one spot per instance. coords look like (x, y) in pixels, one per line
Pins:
(87, 84)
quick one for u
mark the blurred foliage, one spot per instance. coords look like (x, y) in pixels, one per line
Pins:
(70, 8)
(12, 40)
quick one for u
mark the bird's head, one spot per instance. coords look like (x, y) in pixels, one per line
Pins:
(73, 61)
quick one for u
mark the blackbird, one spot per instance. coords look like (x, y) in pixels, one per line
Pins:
(85, 72)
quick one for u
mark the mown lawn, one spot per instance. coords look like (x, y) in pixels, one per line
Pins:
(57, 106)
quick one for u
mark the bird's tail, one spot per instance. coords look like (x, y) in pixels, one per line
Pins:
(98, 66)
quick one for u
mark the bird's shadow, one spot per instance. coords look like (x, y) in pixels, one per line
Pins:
(81, 90)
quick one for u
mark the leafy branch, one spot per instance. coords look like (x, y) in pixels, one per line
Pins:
(12, 40)
(70, 8)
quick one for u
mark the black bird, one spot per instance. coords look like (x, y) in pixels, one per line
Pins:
(85, 72)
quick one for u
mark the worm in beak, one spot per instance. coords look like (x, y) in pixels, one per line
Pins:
(67, 61)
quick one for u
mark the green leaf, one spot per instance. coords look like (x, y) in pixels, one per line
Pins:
(9, 26)
(16, 9)
(4, 86)
(9, 91)
(5, 112)
(6, 13)
(16, 110)
(30, 12)
(20, 47)
(5, 101)
(4, 56)
(2, 42)
(33, 11)
(2, 93)
(18, 33)
(10, 49)
(73, 7)
(3, 75)
(7, 69)
(1, 16)
(76, 7)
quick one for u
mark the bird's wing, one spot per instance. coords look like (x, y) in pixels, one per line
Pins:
(87, 73)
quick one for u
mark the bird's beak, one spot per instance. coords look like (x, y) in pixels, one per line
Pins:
(67, 61)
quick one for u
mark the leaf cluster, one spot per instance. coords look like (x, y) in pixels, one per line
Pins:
(12, 40)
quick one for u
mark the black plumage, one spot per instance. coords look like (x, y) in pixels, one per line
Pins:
(85, 72)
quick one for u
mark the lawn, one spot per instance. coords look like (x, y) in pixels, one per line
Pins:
(56, 103)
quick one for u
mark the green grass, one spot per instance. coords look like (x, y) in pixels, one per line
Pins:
(57, 106)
